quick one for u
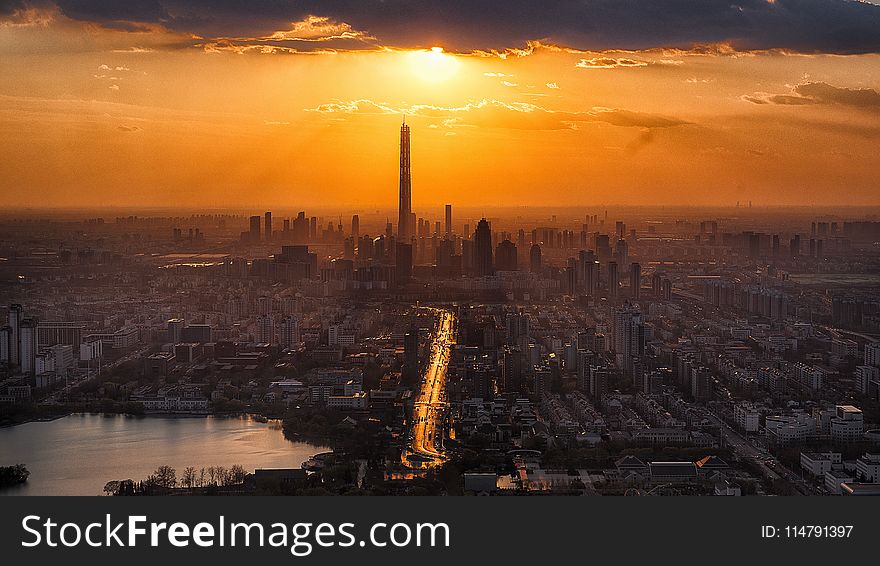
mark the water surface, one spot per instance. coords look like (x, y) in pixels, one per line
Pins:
(78, 454)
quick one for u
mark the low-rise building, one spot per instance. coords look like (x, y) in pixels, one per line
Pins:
(747, 417)
(834, 479)
(353, 402)
(868, 468)
(817, 463)
(786, 430)
(847, 426)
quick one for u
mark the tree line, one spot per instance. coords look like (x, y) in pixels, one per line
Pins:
(165, 479)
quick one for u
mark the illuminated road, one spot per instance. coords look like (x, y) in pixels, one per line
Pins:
(425, 447)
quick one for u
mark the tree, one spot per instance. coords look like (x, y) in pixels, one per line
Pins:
(164, 476)
(188, 480)
(13, 475)
(237, 474)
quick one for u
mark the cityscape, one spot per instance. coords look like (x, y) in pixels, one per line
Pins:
(661, 336)
(589, 355)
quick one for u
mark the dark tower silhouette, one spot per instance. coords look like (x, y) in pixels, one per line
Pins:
(255, 229)
(404, 228)
(635, 280)
(483, 250)
(535, 258)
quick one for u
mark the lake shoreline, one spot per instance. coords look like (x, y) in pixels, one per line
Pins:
(55, 417)
(78, 453)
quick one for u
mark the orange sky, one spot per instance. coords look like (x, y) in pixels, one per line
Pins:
(98, 117)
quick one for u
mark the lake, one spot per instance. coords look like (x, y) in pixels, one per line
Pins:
(78, 454)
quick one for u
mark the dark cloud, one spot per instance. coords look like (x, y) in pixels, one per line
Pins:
(25, 12)
(824, 93)
(10, 7)
(838, 26)
(821, 93)
(628, 118)
(115, 12)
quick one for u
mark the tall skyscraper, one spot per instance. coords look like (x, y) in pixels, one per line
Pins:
(15, 317)
(404, 262)
(591, 278)
(268, 227)
(506, 256)
(448, 220)
(635, 280)
(629, 337)
(535, 258)
(483, 250)
(404, 225)
(613, 279)
(356, 226)
(27, 345)
(255, 229)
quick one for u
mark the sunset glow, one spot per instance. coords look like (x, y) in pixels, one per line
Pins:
(308, 111)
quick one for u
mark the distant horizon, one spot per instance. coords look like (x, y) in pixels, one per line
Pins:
(359, 208)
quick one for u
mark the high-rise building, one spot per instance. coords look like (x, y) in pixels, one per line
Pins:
(483, 250)
(591, 278)
(629, 338)
(404, 218)
(635, 280)
(255, 229)
(872, 354)
(290, 334)
(264, 305)
(265, 329)
(404, 262)
(355, 227)
(517, 328)
(621, 251)
(613, 279)
(448, 220)
(268, 227)
(511, 370)
(15, 317)
(28, 345)
(175, 329)
(535, 258)
(505, 256)
(5, 331)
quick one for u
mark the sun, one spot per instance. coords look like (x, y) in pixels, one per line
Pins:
(433, 65)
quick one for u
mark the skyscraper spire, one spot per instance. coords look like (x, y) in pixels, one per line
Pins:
(404, 220)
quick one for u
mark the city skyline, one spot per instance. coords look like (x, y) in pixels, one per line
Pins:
(407, 247)
(263, 112)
